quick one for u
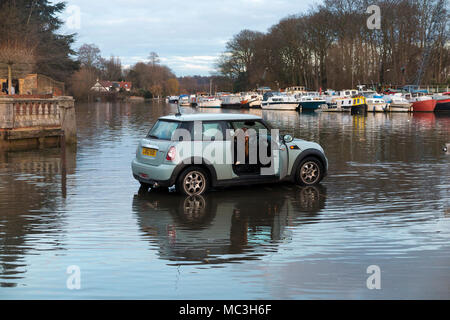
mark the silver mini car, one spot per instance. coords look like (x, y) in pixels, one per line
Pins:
(196, 152)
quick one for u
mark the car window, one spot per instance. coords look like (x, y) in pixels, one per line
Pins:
(255, 125)
(212, 129)
(163, 130)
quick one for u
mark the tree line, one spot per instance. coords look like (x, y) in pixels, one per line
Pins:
(150, 78)
(331, 46)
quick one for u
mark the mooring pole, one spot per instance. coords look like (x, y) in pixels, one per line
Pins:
(63, 165)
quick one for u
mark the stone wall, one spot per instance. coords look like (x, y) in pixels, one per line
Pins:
(27, 122)
(38, 84)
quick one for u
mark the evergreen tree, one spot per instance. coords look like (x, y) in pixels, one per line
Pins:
(34, 24)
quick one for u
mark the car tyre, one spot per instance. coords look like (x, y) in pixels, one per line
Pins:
(193, 181)
(310, 172)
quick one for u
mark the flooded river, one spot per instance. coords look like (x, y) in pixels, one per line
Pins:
(385, 203)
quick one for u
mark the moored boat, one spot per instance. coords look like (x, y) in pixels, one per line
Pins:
(183, 100)
(310, 103)
(443, 103)
(376, 105)
(208, 102)
(397, 103)
(251, 100)
(340, 100)
(279, 101)
(422, 103)
(230, 100)
(359, 105)
(173, 99)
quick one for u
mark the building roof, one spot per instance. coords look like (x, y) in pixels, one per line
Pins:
(125, 84)
(116, 84)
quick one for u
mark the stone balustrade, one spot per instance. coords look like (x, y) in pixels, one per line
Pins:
(35, 114)
(32, 118)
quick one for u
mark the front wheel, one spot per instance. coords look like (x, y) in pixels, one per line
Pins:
(310, 172)
(193, 181)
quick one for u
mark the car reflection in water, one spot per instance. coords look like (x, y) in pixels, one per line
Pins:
(226, 226)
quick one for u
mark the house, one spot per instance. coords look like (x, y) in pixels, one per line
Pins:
(101, 86)
(109, 86)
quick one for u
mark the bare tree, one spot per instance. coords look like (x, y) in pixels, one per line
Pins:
(16, 57)
(154, 58)
(112, 69)
(89, 56)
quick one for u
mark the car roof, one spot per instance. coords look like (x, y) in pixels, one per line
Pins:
(211, 116)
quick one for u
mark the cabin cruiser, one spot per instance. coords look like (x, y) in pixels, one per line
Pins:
(230, 100)
(368, 93)
(377, 104)
(340, 100)
(173, 99)
(193, 98)
(183, 100)
(298, 90)
(251, 100)
(279, 101)
(310, 102)
(421, 102)
(442, 102)
(397, 103)
(208, 102)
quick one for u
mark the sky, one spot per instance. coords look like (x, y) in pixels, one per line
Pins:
(187, 35)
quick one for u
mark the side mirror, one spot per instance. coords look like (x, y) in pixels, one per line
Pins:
(288, 138)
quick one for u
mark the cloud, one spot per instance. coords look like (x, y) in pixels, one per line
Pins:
(187, 35)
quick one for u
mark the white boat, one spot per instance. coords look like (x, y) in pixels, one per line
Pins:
(230, 100)
(376, 105)
(183, 100)
(340, 100)
(251, 100)
(298, 90)
(173, 99)
(208, 102)
(279, 101)
(368, 93)
(398, 103)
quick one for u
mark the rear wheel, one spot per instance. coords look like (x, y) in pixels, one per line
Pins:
(193, 181)
(310, 172)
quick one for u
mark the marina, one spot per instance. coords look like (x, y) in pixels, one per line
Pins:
(361, 100)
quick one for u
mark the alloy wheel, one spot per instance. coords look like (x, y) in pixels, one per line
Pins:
(310, 172)
(194, 183)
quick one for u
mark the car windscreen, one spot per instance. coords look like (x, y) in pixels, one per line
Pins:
(163, 130)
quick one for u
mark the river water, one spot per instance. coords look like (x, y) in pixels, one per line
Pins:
(385, 202)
